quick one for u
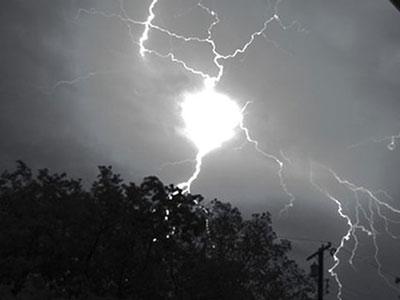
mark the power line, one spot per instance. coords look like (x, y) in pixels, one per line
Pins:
(302, 239)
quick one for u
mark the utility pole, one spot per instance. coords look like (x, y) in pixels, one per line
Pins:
(320, 254)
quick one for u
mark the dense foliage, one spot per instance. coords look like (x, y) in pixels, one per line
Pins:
(123, 241)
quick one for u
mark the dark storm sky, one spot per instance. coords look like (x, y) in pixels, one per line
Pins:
(75, 94)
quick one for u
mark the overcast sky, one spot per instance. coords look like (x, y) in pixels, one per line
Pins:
(325, 91)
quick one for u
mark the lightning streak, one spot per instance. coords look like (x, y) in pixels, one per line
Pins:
(269, 156)
(373, 210)
(373, 200)
(145, 35)
(209, 40)
(185, 186)
(149, 25)
(75, 80)
(344, 238)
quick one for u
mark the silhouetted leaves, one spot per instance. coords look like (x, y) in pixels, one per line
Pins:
(123, 241)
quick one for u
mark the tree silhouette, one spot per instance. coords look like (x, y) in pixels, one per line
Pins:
(59, 240)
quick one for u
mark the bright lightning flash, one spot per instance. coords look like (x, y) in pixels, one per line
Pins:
(210, 119)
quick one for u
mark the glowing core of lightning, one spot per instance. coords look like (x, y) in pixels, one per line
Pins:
(210, 120)
(220, 114)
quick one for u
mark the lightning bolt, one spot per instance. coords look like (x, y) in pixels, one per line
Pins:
(185, 186)
(211, 81)
(272, 157)
(374, 204)
(147, 24)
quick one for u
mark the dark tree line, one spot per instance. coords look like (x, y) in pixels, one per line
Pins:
(59, 240)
